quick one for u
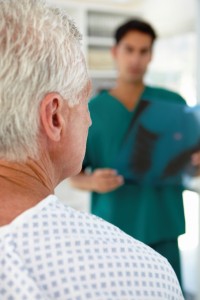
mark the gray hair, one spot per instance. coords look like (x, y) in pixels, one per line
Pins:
(39, 53)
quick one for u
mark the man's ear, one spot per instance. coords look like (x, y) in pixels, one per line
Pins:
(151, 55)
(114, 51)
(51, 114)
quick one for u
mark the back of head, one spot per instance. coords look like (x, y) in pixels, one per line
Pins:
(39, 53)
(134, 25)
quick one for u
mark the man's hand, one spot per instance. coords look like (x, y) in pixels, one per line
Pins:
(196, 162)
(100, 181)
(105, 180)
(196, 159)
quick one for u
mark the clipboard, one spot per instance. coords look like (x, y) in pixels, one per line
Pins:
(159, 143)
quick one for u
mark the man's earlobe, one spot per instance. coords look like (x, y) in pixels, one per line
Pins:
(151, 56)
(51, 116)
(113, 51)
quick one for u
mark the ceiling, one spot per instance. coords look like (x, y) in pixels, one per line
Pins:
(167, 16)
(171, 16)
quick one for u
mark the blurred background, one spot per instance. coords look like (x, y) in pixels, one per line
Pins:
(175, 66)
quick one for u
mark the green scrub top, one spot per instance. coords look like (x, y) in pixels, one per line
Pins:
(150, 214)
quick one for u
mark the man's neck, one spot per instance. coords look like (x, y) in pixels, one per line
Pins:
(128, 93)
(22, 186)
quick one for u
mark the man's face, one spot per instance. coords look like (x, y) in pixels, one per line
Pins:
(132, 56)
(75, 134)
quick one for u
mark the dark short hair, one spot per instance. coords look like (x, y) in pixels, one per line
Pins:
(134, 25)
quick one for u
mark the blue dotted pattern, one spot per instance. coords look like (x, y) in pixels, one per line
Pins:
(54, 252)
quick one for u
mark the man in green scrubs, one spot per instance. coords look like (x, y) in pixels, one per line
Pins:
(151, 214)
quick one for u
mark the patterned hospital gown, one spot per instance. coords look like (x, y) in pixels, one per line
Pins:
(52, 252)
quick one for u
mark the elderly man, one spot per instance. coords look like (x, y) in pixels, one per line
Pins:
(48, 250)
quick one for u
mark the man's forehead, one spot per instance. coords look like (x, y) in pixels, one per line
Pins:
(136, 37)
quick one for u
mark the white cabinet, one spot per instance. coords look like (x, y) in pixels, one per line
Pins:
(97, 24)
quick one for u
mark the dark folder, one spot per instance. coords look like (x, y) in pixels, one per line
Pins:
(159, 143)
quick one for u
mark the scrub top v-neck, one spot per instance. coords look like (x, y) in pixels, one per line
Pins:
(148, 213)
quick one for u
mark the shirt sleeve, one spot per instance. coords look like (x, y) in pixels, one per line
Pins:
(15, 279)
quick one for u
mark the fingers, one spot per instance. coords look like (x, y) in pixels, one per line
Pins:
(196, 159)
(112, 183)
(106, 180)
(105, 172)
